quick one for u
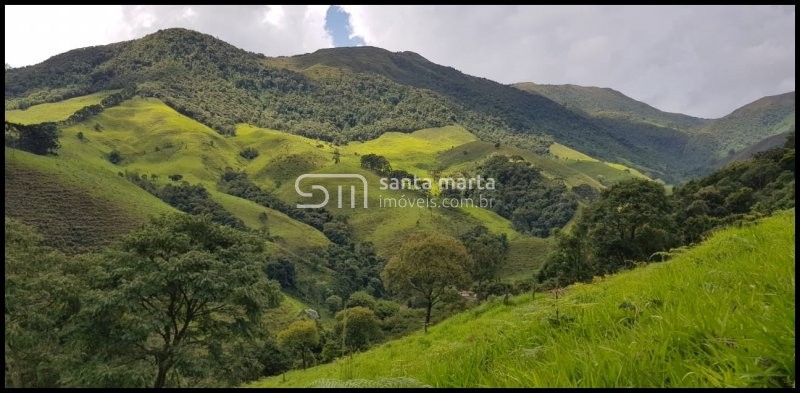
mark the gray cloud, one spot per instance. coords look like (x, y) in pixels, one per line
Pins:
(699, 60)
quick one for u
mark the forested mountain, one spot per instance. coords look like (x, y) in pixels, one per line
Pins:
(359, 93)
(154, 235)
(748, 125)
(605, 102)
(735, 136)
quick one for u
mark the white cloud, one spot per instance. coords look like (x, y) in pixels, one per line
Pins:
(700, 60)
(34, 33)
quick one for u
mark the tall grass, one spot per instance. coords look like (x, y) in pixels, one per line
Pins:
(721, 314)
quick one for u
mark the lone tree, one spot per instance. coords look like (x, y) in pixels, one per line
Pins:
(630, 221)
(358, 327)
(299, 338)
(178, 289)
(426, 266)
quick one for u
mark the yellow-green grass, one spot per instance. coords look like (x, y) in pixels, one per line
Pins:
(154, 139)
(624, 168)
(413, 152)
(560, 151)
(55, 111)
(721, 314)
(565, 153)
(572, 172)
(282, 229)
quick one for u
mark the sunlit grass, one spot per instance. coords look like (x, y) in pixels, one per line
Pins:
(721, 314)
(55, 111)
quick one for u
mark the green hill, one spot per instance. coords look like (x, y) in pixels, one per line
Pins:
(749, 125)
(605, 102)
(342, 94)
(720, 314)
(716, 140)
(155, 140)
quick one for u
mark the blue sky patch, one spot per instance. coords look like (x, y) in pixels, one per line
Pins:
(337, 23)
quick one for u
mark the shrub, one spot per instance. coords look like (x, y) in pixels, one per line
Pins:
(249, 153)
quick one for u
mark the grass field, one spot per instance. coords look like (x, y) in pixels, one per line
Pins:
(153, 139)
(55, 111)
(721, 314)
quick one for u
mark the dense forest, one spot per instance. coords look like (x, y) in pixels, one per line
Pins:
(636, 221)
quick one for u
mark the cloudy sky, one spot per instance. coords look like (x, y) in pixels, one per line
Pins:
(700, 60)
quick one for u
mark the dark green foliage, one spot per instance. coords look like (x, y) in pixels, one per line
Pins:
(41, 296)
(534, 204)
(487, 251)
(570, 260)
(83, 114)
(175, 177)
(586, 192)
(761, 185)
(334, 303)
(114, 157)
(376, 163)
(337, 231)
(283, 272)
(630, 222)
(178, 302)
(192, 199)
(386, 309)
(117, 98)
(361, 299)
(635, 221)
(355, 267)
(80, 136)
(249, 153)
(41, 139)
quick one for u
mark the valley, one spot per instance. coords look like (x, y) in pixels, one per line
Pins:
(170, 222)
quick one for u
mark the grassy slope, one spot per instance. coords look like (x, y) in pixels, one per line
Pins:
(721, 314)
(155, 140)
(55, 111)
(77, 206)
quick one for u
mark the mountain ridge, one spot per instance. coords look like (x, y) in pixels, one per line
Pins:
(355, 93)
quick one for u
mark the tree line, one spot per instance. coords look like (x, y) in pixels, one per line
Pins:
(636, 221)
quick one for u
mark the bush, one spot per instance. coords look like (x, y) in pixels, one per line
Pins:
(283, 272)
(115, 157)
(334, 303)
(361, 299)
(249, 153)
